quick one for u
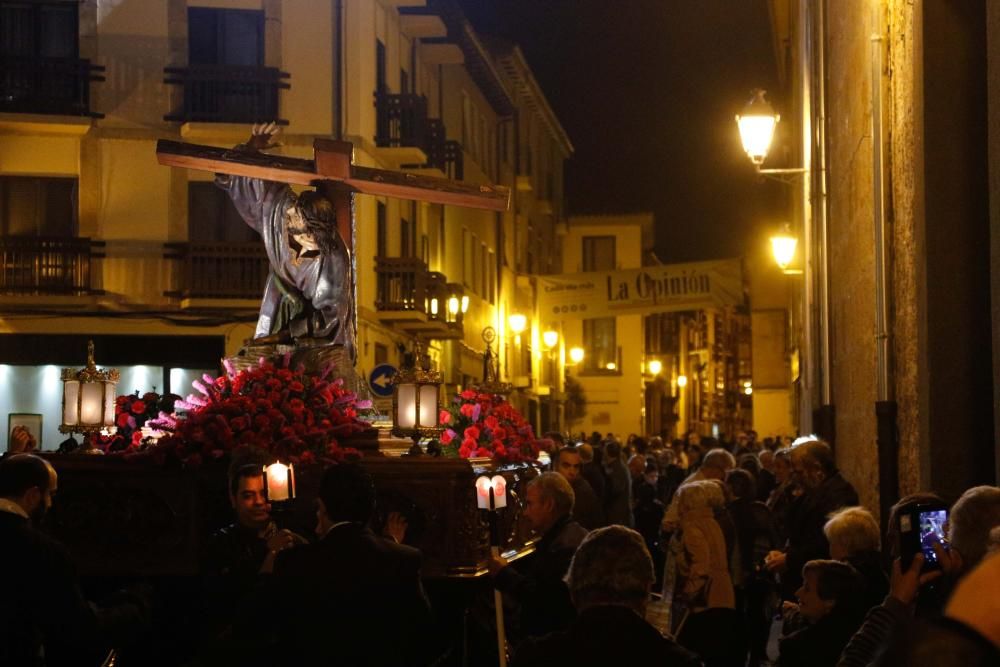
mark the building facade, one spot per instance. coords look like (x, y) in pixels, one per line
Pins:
(99, 241)
(898, 215)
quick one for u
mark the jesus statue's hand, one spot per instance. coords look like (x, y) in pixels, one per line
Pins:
(262, 136)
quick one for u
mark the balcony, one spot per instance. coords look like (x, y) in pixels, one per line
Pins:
(52, 86)
(407, 138)
(227, 93)
(47, 265)
(416, 300)
(214, 272)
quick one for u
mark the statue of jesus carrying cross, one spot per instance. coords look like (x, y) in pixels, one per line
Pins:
(308, 295)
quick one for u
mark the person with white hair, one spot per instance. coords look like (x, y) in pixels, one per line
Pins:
(854, 538)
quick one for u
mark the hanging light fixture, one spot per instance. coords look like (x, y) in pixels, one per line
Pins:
(88, 402)
(757, 124)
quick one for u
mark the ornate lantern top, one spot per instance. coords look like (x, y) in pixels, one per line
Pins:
(491, 368)
(91, 373)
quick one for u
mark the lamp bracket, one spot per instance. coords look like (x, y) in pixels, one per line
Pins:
(787, 176)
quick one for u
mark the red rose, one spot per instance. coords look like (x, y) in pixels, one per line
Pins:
(499, 433)
(467, 409)
(444, 417)
(468, 394)
(482, 452)
(491, 422)
(123, 400)
(122, 420)
(464, 452)
(296, 386)
(472, 433)
(150, 397)
(307, 457)
(136, 437)
(447, 436)
(469, 444)
(138, 408)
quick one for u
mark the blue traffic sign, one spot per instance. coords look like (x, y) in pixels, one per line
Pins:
(381, 380)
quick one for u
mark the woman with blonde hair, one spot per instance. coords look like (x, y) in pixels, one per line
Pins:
(703, 566)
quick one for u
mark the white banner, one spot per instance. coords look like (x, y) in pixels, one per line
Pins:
(651, 289)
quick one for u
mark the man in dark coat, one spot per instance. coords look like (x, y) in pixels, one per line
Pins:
(44, 619)
(611, 628)
(333, 602)
(825, 491)
(536, 583)
(586, 506)
(618, 493)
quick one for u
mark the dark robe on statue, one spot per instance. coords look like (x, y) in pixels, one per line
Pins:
(309, 294)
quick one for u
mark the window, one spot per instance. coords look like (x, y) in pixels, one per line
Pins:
(39, 29)
(381, 233)
(225, 36)
(484, 271)
(425, 249)
(212, 217)
(600, 342)
(467, 275)
(599, 253)
(381, 354)
(491, 271)
(32, 206)
(380, 68)
(404, 81)
(407, 237)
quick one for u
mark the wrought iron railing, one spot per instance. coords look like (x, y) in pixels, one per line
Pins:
(400, 120)
(219, 270)
(442, 153)
(58, 86)
(227, 93)
(47, 265)
(402, 284)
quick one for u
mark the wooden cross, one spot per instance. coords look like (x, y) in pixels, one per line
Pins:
(333, 174)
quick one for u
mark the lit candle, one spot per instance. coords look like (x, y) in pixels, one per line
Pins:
(491, 494)
(280, 481)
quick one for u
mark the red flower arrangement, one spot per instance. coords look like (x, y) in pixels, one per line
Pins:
(276, 409)
(486, 425)
(132, 413)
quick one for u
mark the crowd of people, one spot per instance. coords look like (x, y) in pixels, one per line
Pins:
(692, 552)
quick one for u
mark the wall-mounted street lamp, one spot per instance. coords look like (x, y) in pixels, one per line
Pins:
(783, 246)
(654, 366)
(682, 381)
(550, 338)
(576, 354)
(517, 322)
(757, 124)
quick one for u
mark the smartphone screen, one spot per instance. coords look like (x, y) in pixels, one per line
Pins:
(931, 531)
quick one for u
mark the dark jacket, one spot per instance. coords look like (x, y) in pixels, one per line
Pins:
(594, 474)
(604, 636)
(231, 564)
(869, 566)
(618, 495)
(806, 540)
(328, 603)
(755, 537)
(821, 644)
(587, 507)
(41, 606)
(536, 583)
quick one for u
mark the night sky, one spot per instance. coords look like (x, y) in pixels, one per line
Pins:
(647, 91)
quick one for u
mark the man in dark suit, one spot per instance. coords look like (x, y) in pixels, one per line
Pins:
(536, 583)
(350, 599)
(44, 619)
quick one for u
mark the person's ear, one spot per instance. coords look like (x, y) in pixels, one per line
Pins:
(33, 498)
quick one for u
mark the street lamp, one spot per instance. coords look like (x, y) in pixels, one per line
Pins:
(88, 404)
(682, 381)
(550, 338)
(756, 125)
(783, 247)
(576, 354)
(517, 323)
(654, 366)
